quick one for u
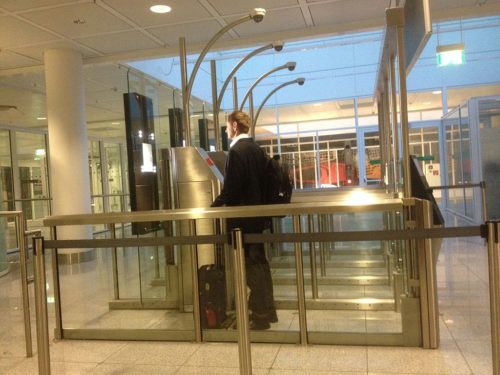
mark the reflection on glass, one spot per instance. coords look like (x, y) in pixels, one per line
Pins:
(33, 174)
(114, 177)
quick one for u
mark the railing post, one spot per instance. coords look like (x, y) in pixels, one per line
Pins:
(42, 327)
(244, 350)
(494, 277)
(114, 261)
(482, 185)
(21, 230)
(301, 296)
(196, 286)
(312, 256)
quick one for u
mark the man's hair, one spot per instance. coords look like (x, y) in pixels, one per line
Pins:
(242, 119)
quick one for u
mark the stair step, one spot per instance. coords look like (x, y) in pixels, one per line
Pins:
(334, 280)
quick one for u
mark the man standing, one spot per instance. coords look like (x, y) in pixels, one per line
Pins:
(243, 180)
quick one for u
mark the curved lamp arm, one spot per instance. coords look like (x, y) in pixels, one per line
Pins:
(257, 15)
(235, 69)
(289, 65)
(299, 81)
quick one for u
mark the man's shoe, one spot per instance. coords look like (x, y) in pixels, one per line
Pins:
(259, 325)
(271, 317)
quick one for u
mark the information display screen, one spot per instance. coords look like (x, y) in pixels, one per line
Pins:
(141, 152)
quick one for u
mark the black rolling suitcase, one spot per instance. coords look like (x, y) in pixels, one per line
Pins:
(212, 284)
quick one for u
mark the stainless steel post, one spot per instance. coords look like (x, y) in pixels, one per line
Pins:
(312, 256)
(300, 283)
(395, 128)
(482, 185)
(58, 334)
(185, 96)
(42, 326)
(403, 105)
(322, 255)
(428, 285)
(494, 277)
(240, 283)
(235, 94)
(20, 232)
(196, 288)
(251, 114)
(114, 260)
(213, 76)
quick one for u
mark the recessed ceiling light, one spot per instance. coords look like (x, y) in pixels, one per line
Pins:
(115, 123)
(41, 118)
(437, 92)
(160, 9)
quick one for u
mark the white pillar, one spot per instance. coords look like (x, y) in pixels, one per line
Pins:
(68, 142)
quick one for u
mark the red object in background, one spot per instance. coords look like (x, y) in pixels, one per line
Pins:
(308, 175)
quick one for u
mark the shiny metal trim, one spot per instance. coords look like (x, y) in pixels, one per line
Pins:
(185, 96)
(42, 324)
(312, 260)
(235, 93)
(23, 258)
(494, 279)
(223, 212)
(114, 262)
(395, 128)
(21, 234)
(403, 109)
(235, 69)
(57, 287)
(301, 295)
(196, 286)
(244, 349)
(215, 108)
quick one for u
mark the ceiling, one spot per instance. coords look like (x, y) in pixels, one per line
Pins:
(109, 33)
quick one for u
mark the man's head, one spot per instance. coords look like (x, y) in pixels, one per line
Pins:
(238, 122)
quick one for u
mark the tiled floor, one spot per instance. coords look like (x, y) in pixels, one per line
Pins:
(465, 338)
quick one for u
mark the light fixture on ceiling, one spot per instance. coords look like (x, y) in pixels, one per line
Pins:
(160, 8)
(41, 118)
(437, 92)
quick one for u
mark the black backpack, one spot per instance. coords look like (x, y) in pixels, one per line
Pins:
(278, 185)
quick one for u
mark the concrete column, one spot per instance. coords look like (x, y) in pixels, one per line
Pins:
(68, 145)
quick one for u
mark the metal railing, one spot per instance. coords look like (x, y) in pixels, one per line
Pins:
(23, 258)
(481, 184)
(240, 239)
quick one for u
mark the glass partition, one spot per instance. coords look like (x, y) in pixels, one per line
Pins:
(353, 289)
(6, 183)
(95, 171)
(34, 178)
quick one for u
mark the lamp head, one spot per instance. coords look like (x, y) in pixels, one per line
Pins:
(300, 81)
(291, 65)
(278, 45)
(258, 14)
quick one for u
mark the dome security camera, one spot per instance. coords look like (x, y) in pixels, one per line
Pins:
(278, 45)
(258, 14)
(301, 81)
(291, 65)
